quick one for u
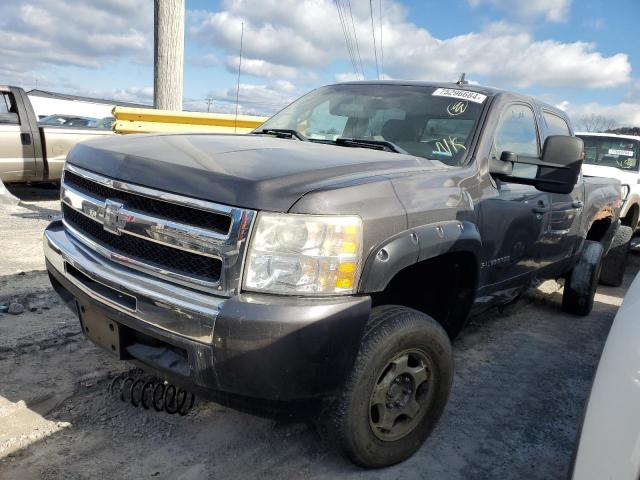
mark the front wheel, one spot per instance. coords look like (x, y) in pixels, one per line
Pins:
(397, 390)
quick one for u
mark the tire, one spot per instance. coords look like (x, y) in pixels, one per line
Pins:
(615, 261)
(356, 421)
(582, 282)
(631, 220)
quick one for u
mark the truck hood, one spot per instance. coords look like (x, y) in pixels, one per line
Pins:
(626, 178)
(250, 171)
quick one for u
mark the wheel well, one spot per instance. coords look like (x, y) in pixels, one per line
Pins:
(442, 287)
(599, 229)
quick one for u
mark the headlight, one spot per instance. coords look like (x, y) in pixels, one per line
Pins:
(624, 191)
(304, 254)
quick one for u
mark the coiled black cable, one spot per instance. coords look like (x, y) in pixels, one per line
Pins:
(140, 389)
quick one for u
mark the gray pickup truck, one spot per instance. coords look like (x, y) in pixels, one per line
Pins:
(30, 152)
(321, 265)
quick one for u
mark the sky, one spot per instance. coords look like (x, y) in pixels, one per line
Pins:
(580, 55)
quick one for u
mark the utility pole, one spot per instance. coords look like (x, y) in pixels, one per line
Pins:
(209, 101)
(168, 60)
(235, 125)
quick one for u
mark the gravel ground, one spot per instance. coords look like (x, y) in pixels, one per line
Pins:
(522, 378)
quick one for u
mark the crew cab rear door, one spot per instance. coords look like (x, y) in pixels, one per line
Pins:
(17, 152)
(566, 208)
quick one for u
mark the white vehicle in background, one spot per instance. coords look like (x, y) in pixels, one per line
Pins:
(616, 156)
(609, 443)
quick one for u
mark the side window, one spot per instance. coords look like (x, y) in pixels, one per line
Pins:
(517, 132)
(556, 125)
(8, 110)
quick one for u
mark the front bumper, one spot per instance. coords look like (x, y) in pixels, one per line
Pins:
(251, 345)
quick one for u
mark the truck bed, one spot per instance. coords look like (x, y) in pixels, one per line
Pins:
(57, 141)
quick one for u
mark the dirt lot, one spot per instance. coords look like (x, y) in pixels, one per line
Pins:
(522, 377)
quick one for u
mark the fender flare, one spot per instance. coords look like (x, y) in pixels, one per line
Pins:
(416, 245)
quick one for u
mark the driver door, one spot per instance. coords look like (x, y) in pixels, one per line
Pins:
(514, 221)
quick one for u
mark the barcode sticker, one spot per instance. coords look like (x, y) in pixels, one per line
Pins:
(624, 153)
(461, 94)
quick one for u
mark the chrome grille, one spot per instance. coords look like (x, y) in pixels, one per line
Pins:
(189, 216)
(161, 256)
(186, 241)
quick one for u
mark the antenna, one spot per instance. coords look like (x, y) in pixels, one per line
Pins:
(381, 49)
(373, 33)
(235, 123)
(461, 81)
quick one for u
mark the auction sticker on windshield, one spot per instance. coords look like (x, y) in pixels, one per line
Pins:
(461, 94)
(624, 153)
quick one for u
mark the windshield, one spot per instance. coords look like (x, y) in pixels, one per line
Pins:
(432, 123)
(615, 152)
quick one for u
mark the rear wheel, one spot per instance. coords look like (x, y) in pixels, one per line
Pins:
(615, 261)
(397, 390)
(631, 219)
(582, 282)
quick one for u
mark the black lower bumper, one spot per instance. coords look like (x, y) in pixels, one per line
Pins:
(263, 347)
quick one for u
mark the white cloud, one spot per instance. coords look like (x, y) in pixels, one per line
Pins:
(550, 10)
(346, 77)
(261, 68)
(265, 99)
(41, 35)
(142, 95)
(624, 114)
(305, 34)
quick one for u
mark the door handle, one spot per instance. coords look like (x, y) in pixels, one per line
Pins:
(25, 138)
(541, 207)
(577, 204)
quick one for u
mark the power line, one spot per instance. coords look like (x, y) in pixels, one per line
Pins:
(348, 32)
(373, 32)
(381, 49)
(355, 35)
(346, 36)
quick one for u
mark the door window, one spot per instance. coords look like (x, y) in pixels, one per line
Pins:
(517, 133)
(556, 125)
(8, 110)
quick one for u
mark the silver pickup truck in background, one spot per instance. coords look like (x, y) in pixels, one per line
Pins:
(30, 152)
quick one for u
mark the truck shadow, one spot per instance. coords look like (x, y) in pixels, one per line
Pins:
(36, 192)
(35, 211)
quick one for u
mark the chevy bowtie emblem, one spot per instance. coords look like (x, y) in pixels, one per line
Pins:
(113, 220)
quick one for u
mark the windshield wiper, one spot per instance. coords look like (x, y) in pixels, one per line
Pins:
(282, 133)
(373, 144)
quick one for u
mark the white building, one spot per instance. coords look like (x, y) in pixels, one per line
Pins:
(51, 103)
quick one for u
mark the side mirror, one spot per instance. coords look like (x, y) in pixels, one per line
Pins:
(557, 170)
